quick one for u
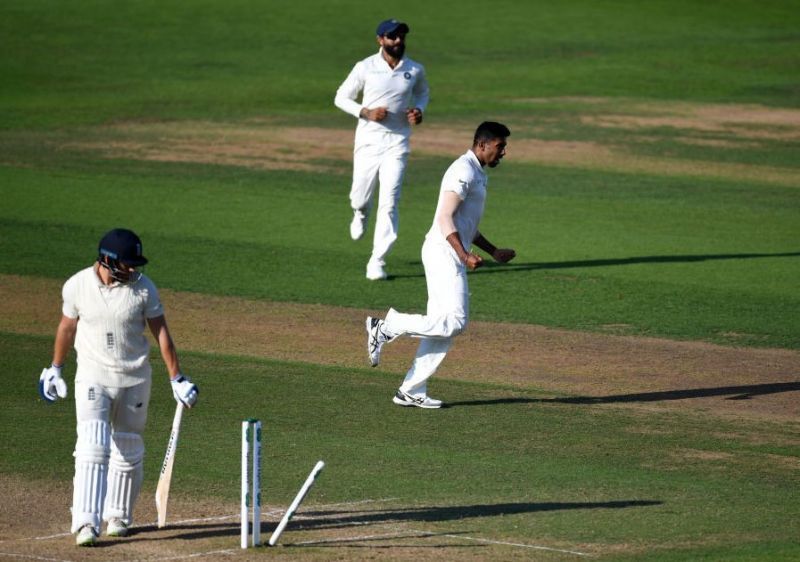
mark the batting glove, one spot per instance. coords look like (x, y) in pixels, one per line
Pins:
(51, 385)
(184, 390)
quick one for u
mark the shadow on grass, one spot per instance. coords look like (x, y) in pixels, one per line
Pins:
(493, 267)
(744, 392)
(330, 519)
(431, 514)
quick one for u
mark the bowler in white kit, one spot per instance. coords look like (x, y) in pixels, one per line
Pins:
(106, 309)
(446, 255)
(394, 96)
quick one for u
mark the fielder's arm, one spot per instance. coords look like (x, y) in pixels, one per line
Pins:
(447, 226)
(348, 92)
(373, 114)
(421, 93)
(502, 255)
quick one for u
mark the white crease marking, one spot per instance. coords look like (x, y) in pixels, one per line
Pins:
(32, 557)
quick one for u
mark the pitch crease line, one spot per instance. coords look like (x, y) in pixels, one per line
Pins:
(187, 556)
(330, 505)
(520, 545)
(22, 539)
(33, 557)
(419, 534)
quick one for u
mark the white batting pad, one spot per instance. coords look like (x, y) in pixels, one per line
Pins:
(91, 458)
(125, 473)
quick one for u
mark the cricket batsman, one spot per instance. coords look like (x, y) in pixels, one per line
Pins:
(106, 309)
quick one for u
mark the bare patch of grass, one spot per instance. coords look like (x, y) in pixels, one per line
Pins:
(263, 144)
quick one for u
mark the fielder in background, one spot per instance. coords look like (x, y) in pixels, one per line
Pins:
(106, 309)
(394, 97)
(446, 256)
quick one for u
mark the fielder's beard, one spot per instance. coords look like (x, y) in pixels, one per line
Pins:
(395, 51)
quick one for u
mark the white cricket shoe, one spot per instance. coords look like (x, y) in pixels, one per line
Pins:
(358, 224)
(117, 528)
(87, 536)
(376, 337)
(403, 399)
(375, 271)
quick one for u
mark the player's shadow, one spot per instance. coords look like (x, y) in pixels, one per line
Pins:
(490, 266)
(428, 514)
(742, 392)
(333, 519)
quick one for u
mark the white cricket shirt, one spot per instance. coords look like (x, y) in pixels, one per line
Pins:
(398, 89)
(466, 178)
(110, 341)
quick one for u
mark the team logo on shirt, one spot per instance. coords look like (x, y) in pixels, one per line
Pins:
(407, 75)
(91, 395)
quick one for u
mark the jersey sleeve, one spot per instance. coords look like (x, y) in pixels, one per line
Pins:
(153, 307)
(421, 90)
(457, 180)
(348, 92)
(69, 295)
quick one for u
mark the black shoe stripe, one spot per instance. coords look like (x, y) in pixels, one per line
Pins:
(408, 398)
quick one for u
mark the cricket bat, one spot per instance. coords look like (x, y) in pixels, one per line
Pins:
(164, 481)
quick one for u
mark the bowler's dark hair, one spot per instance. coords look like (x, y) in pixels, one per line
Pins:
(490, 130)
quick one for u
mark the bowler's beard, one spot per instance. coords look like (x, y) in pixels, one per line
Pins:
(395, 51)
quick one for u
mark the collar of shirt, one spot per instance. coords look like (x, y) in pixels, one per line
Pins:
(474, 159)
(96, 276)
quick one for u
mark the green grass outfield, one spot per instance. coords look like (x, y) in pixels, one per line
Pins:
(710, 253)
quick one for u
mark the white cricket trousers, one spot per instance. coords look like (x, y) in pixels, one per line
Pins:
(109, 451)
(446, 316)
(380, 158)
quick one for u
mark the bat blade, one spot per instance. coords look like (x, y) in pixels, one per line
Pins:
(165, 479)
